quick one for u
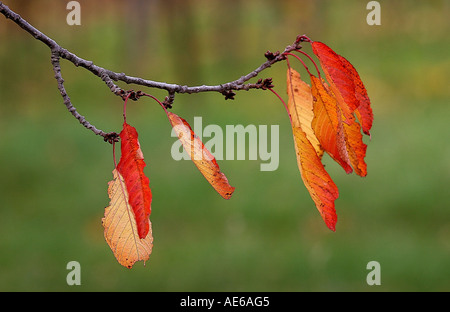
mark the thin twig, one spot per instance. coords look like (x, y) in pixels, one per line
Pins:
(67, 102)
(109, 76)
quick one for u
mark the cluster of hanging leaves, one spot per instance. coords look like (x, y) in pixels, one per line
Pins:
(127, 227)
(126, 220)
(326, 116)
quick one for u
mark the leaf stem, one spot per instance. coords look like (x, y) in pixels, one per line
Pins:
(282, 101)
(315, 65)
(159, 102)
(125, 107)
(298, 58)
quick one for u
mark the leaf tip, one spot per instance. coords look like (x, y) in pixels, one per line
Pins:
(332, 227)
(227, 195)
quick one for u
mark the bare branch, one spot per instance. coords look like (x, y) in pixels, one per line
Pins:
(26, 26)
(109, 76)
(68, 103)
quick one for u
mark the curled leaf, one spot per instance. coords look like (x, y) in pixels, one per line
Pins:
(131, 167)
(202, 158)
(356, 148)
(121, 232)
(321, 187)
(327, 124)
(364, 111)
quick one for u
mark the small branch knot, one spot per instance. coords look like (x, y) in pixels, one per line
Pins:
(271, 56)
(229, 95)
(302, 38)
(264, 84)
(131, 94)
(167, 103)
(111, 137)
(168, 100)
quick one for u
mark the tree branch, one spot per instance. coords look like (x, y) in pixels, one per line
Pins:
(110, 137)
(109, 76)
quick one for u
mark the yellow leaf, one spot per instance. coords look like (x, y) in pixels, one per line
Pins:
(120, 226)
(300, 107)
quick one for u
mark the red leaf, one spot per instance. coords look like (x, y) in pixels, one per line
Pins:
(364, 111)
(346, 85)
(340, 80)
(356, 148)
(131, 167)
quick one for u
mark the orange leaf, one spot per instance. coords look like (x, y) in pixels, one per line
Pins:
(121, 231)
(131, 167)
(327, 124)
(200, 155)
(356, 148)
(321, 187)
(354, 145)
(339, 77)
(300, 107)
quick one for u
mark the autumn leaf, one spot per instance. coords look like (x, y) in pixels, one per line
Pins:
(364, 111)
(200, 155)
(351, 94)
(126, 220)
(120, 228)
(320, 186)
(300, 107)
(131, 167)
(356, 148)
(340, 78)
(327, 124)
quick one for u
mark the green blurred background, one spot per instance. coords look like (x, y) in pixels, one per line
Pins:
(269, 235)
